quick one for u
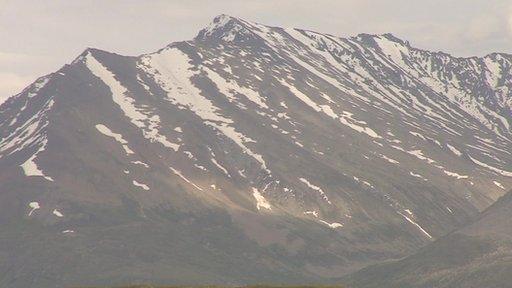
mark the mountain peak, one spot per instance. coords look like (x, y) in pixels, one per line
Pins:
(225, 28)
(224, 18)
(364, 37)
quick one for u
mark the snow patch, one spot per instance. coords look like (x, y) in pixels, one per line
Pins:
(178, 173)
(57, 213)
(454, 150)
(34, 206)
(417, 176)
(140, 163)
(415, 224)
(419, 154)
(333, 225)
(118, 137)
(492, 168)
(346, 117)
(230, 88)
(316, 188)
(30, 167)
(138, 116)
(141, 185)
(314, 213)
(498, 184)
(261, 202)
(456, 175)
(417, 135)
(390, 160)
(220, 167)
(172, 70)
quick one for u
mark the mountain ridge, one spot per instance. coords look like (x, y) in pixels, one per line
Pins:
(238, 19)
(316, 155)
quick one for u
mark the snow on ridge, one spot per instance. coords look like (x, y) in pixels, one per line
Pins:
(357, 74)
(466, 102)
(33, 89)
(219, 23)
(118, 137)
(493, 72)
(397, 56)
(393, 51)
(38, 85)
(302, 97)
(138, 116)
(346, 118)
(172, 70)
(230, 88)
(30, 133)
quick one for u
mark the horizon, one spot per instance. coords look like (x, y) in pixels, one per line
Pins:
(36, 46)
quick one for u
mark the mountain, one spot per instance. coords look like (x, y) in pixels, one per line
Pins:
(477, 255)
(250, 154)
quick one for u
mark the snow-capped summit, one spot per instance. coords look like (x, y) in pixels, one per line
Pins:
(226, 28)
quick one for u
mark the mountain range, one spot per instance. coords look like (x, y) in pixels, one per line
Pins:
(256, 154)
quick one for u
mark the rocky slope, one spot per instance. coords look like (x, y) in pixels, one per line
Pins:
(478, 255)
(249, 154)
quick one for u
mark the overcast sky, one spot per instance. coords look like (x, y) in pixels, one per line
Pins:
(39, 36)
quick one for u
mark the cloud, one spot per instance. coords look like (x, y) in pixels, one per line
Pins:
(510, 23)
(11, 84)
(482, 27)
(8, 58)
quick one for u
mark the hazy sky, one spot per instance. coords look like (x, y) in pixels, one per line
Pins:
(39, 36)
